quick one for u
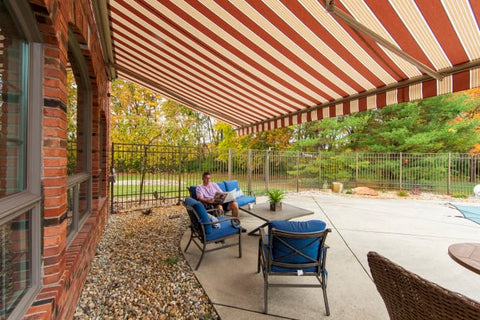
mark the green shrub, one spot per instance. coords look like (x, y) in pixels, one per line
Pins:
(402, 193)
(171, 260)
(460, 196)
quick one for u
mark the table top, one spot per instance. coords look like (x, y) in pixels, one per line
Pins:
(466, 254)
(262, 211)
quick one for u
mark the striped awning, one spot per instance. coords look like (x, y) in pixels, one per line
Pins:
(260, 65)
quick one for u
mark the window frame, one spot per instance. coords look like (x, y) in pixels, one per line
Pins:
(30, 198)
(74, 181)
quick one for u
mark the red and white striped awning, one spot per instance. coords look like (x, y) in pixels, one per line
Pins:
(260, 65)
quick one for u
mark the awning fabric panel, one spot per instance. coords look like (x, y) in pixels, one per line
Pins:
(260, 65)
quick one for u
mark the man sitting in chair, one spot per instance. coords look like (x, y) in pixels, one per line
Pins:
(206, 192)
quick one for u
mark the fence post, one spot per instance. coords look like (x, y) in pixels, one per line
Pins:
(401, 171)
(320, 184)
(473, 170)
(298, 168)
(229, 163)
(179, 174)
(449, 177)
(356, 169)
(112, 179)
(267, 169)
(143, 172)
(249, 169)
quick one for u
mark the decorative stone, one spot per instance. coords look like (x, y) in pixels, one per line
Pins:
(139, 272)
(365, 191)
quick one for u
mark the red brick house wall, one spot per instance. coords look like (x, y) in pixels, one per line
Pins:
(66, 266)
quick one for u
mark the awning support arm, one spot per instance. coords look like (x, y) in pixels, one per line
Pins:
(330, 6)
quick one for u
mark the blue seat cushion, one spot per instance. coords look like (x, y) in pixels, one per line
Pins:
(281, 253)
(193, 192)
(243, 200)
(297, 226)
(221, 185)
(231, 185)
(201, 211)
(225, 229)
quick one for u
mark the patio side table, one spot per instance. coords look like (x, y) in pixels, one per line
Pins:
(466, 254)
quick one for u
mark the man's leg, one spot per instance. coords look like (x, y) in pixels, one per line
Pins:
(234, 207)
(219, 209)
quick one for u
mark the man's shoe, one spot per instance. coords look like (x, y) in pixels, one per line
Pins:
(244, 230)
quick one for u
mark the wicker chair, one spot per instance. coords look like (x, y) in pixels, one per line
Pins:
(408, 296)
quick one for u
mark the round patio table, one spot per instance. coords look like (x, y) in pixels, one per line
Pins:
(466, 254)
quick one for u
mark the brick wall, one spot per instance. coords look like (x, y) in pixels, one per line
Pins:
(65, 267)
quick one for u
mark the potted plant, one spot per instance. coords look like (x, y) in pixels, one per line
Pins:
(275, 198)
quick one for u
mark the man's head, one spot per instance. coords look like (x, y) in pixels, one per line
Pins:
(206, 177)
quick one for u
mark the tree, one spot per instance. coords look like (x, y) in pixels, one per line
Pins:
(135, 113)
(438, 124)
(331, 134)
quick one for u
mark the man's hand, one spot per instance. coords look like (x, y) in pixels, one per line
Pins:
(207, 201)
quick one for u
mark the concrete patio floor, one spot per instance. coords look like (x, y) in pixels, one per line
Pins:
(413, 233)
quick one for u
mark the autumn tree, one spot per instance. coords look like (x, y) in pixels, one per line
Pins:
(135, 113)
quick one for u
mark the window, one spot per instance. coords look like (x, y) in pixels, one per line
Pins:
(79, 106)
(20, 154)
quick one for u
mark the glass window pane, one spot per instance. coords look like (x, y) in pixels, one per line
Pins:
(72, 97)
(70, 209)
(83, 199)
(13, 105)
(15, 253)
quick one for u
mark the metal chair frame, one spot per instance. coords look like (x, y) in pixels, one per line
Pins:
(198, 235)
(266, 261)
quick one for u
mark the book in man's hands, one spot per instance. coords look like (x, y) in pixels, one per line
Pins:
(224, 197)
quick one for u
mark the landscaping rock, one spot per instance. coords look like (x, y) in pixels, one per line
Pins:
(365, 191)
(139, 271)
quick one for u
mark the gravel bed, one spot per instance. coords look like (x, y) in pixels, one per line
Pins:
(139, 271)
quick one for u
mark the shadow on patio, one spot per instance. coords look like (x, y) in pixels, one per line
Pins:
(415, 234)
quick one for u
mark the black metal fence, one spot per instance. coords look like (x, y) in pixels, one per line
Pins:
(149, 175)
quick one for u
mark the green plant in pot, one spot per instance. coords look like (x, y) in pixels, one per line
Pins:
(275, 197)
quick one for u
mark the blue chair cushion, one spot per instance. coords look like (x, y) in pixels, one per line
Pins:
(221, 185)
(231, 185)
(280, 251)
(201, 211)
(244, 200)
(225, 229)
(193, 192)
(297, 226)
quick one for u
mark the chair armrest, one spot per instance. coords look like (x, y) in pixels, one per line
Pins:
(213, 211)
(234, 221)
(263, 237)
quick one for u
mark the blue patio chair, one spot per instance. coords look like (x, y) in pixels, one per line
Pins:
(204, 231)
(293, 248)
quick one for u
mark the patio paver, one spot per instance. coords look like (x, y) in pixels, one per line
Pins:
(414, 233)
